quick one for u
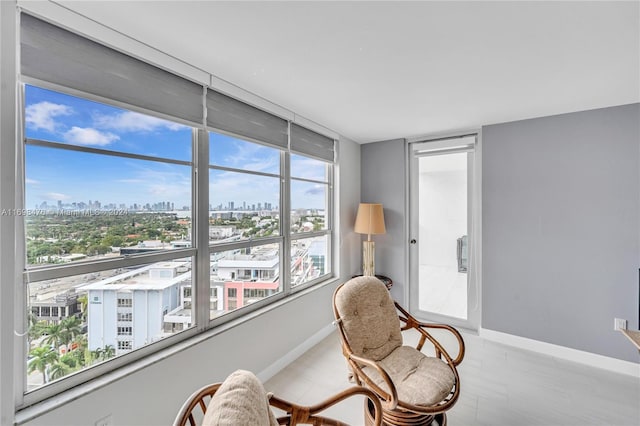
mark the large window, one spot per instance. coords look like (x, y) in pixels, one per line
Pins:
(244, 213)
(310, 224)
(154, 208)
(243, 203)
(101, 183)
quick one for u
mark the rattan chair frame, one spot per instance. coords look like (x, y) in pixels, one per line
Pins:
(296, 414)
(395, 411)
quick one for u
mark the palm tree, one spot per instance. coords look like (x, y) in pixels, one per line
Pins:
(41, 357)
(81, 350)
(84, 303)
(97, 354)
(58, 369)
(55, 335)
(75, 359)
(69, 359)
(104, 353)
(35, 327)
(71, 327)
(108, 352)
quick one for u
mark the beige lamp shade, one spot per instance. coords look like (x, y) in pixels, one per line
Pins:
(370, 219)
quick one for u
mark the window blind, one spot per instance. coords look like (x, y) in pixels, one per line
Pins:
(308, 142)
(231, 115)
(464, 143)
(55, 55)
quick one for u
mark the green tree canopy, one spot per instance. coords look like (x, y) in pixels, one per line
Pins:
(40, 358)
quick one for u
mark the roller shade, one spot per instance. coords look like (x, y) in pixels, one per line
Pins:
(53, 54)
(232, 115)
(308, 142)
(464, 143)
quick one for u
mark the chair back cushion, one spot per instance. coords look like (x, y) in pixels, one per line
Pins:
(240, 400)
(369, 318)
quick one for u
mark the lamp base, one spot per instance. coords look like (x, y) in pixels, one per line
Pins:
(368, 258)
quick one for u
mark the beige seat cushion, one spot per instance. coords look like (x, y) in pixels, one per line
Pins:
(419, 379)
(240, 400)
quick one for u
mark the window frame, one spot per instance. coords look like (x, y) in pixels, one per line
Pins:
(328, 232)
(200, 251)
(46, 272)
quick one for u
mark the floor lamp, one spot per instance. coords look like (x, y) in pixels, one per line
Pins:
(370, 221)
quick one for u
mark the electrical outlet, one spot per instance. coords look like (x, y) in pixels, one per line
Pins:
(105, 421)
(620, 324)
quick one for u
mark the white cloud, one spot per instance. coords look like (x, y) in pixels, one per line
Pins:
(250, 156)
(42, 115)
(244, 187)
(130, 181)
(315, 190)
(164, 182)
(308, 168)
(89, 136)
(130, 121)
(31, 181)
(55, 196)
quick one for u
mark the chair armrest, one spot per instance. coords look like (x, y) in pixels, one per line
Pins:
(411, 322)
(391, 398)
(461, 347)
(197, 399)
(306, 414)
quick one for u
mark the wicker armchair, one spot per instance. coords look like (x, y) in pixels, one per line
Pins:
(415, 389)
(242, 400)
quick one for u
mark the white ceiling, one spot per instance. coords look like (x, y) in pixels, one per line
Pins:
(375, 71)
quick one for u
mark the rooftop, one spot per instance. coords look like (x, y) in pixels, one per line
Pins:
(141, 279)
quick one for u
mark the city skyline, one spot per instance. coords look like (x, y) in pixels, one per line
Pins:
(159, 206)
(56, 117)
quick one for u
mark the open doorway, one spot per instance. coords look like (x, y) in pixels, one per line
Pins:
(442, 264)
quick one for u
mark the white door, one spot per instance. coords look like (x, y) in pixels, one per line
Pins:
(443, 231)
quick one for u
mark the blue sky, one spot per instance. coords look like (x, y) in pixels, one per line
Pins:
(70, 176)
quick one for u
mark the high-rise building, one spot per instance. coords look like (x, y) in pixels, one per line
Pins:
(128, 310)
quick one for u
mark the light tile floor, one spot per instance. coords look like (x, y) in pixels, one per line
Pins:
(500, 385)
(443, 290)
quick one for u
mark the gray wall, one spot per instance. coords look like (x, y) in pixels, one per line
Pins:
(383, 181)
(348, 174)
(561, 228)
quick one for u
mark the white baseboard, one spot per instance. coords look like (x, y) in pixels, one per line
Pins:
(295, 353)
(582, 357)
